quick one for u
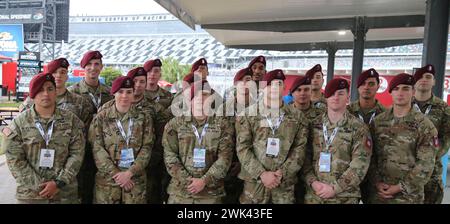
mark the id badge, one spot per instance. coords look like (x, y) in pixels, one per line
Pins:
(47, 158)
(126, 158)
(325, 162)
(199, 158)
(273, 146)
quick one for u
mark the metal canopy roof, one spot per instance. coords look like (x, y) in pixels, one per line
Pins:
(301, 24)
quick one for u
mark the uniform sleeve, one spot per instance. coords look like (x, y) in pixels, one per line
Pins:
(361, 154)
(218, 170)
(16, 157)
(425, 158)
(172, 159)
(88, 110)
(25, 105)
(244, 148)
(76, 153)
(163, 114)
(143, 157)
(373, 175)
(445, 133)
(296, 155)
(103, 161)
(308, 166)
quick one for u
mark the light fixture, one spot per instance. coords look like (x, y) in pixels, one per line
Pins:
(342, 32)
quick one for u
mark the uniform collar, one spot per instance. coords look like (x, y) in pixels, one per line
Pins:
(432, 101)
(89, 89)
(114, 114)
(62, 96)
(409, 116)
(340, 123)
(378, 107)
(35, 115)
(191, 120)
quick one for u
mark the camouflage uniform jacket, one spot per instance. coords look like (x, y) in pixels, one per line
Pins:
(253, 132)
(23, 143)
(93, 95)
(179, 142)
(405, 150)
(321, 103)
(350, 151)
(355, 109)
(71, 102)
(161, 96)
(108, 143)
(439, 114)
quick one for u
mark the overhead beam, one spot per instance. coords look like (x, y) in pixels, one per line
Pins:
(178, 12)
(313, 25)
(324, 45)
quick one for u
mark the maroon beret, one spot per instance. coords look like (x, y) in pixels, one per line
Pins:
(241, 73)
(425, 69)
(189, 78)
(138, 71)
(260, 59)
(299, 81)
(148, 65)
(38, 81)
(310, 73)
(274, 74)
(57, 63)
(335, 85)
(371, 73)
(89, 56)
(202, 85)
(121, 82)
(402, 78)
(201, 61)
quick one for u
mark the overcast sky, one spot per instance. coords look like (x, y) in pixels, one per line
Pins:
(114, 7)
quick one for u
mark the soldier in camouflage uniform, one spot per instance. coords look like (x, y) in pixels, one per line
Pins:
(340, 154)
(242, 95)
(44, 148)
(301, 91)
(258, 68)
(65, 99)
(438, 112)
(271, 144)
(181, 100)
(197, 152)
(316, 76)
(366, 109)
(405, 145)
(154, 92)
(97, 94)
(157, 176)
(200, 69)
(122, 141)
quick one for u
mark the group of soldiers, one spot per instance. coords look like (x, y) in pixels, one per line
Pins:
(136, 143)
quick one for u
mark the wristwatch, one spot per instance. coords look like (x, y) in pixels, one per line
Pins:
(60, 184)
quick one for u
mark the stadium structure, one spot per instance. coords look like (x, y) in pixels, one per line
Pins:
(132, 39)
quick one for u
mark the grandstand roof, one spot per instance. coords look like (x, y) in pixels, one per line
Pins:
(266, 24)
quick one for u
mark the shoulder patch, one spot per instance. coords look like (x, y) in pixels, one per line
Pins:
(7, 131)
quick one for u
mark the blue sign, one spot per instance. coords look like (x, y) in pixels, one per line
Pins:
(11, 40)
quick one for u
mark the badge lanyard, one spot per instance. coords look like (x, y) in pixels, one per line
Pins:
(277, 125)
(96, 101)
(427, 111)
(329, 140)
(127, 136)
(371, 117)
(46, 136)
(200, 137)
